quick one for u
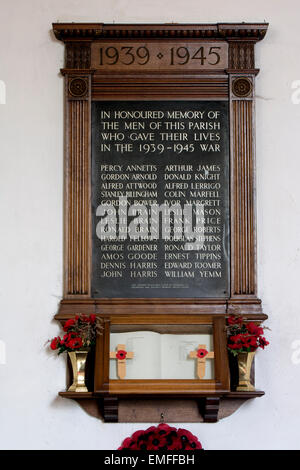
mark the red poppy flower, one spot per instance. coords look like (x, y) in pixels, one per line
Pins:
(174, 443)
(156, 441)
(253, 342)
(165, 428)
(254, 329)
(149, 430)
(202, 353)
(69, 324)
(245, 339)
(236, 338)
(189, 441)
(74, 343)
(234, 346)
(55, 343)
(161, 437)
(72, 340)
(263, 342)
(126, 443)
(137, 446)
(137, 435)
(121, 354)
(92, 318)
(193, 446)
(67, 337)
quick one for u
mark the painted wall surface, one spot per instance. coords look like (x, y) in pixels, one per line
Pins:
(32, 416)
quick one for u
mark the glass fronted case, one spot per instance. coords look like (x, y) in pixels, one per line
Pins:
(162, 355)
(161, 352)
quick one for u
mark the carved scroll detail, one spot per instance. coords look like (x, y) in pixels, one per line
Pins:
(77, 213)
(243, 224)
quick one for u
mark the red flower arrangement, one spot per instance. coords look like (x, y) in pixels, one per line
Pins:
(244, 337)
(161, 437)
(80, 333)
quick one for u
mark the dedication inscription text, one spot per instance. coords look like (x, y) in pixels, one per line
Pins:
(160, 199)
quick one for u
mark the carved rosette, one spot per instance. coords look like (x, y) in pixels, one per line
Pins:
(78, 87)
(242, 87)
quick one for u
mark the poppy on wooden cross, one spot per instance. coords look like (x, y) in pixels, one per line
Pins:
(121, 355)
(201, 355)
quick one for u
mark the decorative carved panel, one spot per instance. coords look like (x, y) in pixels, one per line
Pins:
(78, 55)
(77, 187)
(241, 55)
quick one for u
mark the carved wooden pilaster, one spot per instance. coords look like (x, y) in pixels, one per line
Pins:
(243, 234)
(243, 223)
(77, 171)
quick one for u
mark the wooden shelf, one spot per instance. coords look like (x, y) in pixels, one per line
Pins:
(109, 404)
(76, 394)
(254, 394)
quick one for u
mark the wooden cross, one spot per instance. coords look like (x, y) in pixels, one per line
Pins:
(121, 355)
(201, 355)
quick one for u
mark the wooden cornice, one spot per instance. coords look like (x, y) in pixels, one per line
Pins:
(222, 31)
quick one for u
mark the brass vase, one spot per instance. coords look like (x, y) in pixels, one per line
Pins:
(78, 362)
(245, 360)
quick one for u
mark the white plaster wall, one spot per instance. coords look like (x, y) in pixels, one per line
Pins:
(31, 144)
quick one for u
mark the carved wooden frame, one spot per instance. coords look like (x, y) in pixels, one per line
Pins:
(83, 83)
(217, 386)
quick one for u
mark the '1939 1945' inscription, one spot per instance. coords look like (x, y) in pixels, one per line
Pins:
(171, 56)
